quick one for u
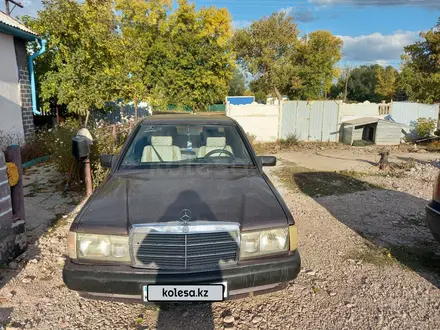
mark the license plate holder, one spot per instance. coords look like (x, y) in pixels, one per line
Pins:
(212, 292)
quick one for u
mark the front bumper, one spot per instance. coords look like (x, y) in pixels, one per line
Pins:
(122, 283)
(433, 216)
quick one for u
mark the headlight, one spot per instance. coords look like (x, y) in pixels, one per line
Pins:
(259, 243)
(101, 247)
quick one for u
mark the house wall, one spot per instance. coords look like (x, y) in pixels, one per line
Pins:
(25, 86)
(388, 133)
(10, 101)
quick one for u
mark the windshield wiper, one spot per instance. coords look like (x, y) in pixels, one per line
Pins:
(239, 166)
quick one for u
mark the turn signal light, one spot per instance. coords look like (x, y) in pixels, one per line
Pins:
(293, 238)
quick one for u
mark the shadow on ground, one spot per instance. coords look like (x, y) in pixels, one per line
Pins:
(45, 206)
(392, 222)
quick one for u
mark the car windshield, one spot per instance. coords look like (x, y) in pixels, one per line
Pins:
(187, 145)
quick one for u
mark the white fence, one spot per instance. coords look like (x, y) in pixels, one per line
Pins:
(319, 120)
(260, 120)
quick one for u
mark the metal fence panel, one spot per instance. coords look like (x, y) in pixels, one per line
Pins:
(407, 113)
(310, 121)
(117, 113)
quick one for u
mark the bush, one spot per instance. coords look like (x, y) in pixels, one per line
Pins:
(425, 127)
(290, 141)
(434, 146)
(37, 145)
(60, 146)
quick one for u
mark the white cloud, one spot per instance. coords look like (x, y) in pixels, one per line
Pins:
(414, 3)
(302, 16)
(240, 24)
(377, 48)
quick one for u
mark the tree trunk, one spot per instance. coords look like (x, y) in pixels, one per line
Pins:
(87, 119)
(277, 92)
(383, 162)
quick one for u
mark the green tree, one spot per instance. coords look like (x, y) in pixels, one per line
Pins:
(140, 49)
(199, 63)
(420, 77)
(237, 84)
(387, 82)
(361, 84)
(284, 64)
(316, 58)
(266, 49)
(75, 70)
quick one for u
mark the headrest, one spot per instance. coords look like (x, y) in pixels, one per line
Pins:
(216, 142)
(161, 140)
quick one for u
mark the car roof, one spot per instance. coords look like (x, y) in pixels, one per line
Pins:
(188, 119)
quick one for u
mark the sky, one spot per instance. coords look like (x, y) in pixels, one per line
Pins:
(373, 31)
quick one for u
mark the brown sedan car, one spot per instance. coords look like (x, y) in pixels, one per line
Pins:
(186, 214)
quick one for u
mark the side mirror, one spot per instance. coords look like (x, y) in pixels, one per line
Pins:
(107, 161)
(268, 160)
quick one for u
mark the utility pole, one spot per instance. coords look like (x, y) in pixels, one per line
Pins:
(15, 3)
(347, 76)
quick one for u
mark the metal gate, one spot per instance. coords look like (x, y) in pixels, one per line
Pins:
(310, 121)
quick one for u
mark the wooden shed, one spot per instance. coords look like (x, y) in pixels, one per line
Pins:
(372, 130)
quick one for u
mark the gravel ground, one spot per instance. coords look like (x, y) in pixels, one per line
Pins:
(350, 279)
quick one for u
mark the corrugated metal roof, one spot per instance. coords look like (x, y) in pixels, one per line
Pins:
(9, 21)
(369, 120)
(362, 121)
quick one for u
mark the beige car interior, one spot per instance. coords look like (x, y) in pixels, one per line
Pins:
(161, 147)
(214, 143)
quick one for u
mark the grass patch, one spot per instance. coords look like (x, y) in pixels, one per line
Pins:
(319, 184)
(372, 254)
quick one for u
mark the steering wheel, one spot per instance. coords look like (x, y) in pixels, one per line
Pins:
(220, 151)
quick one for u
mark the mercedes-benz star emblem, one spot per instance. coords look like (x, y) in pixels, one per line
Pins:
(185, 216)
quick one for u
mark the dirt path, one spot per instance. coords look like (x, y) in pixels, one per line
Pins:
(359, 159)
(347, 282)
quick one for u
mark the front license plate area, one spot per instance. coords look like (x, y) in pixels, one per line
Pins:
(185, 293)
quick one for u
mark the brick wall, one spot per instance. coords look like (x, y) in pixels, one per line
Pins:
(25, 86)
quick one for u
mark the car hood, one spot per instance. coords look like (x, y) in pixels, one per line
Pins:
(160, 195)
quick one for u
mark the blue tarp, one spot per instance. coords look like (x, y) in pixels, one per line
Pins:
(240, 100)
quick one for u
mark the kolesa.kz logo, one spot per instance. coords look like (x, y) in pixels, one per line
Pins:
(181, 293)
(184, 293)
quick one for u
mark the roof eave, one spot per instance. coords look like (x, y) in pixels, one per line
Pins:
(4, 28)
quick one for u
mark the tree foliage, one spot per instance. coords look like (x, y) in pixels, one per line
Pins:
(140, 50)
(237, 85)
(420, 77)
(266, 49)
(199, 62)
(316, 58)
(137, 50)
(75, 69)
(387, 82)
(282, 63)
(362, 84)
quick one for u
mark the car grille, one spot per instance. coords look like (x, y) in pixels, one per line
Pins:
(192, 250)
